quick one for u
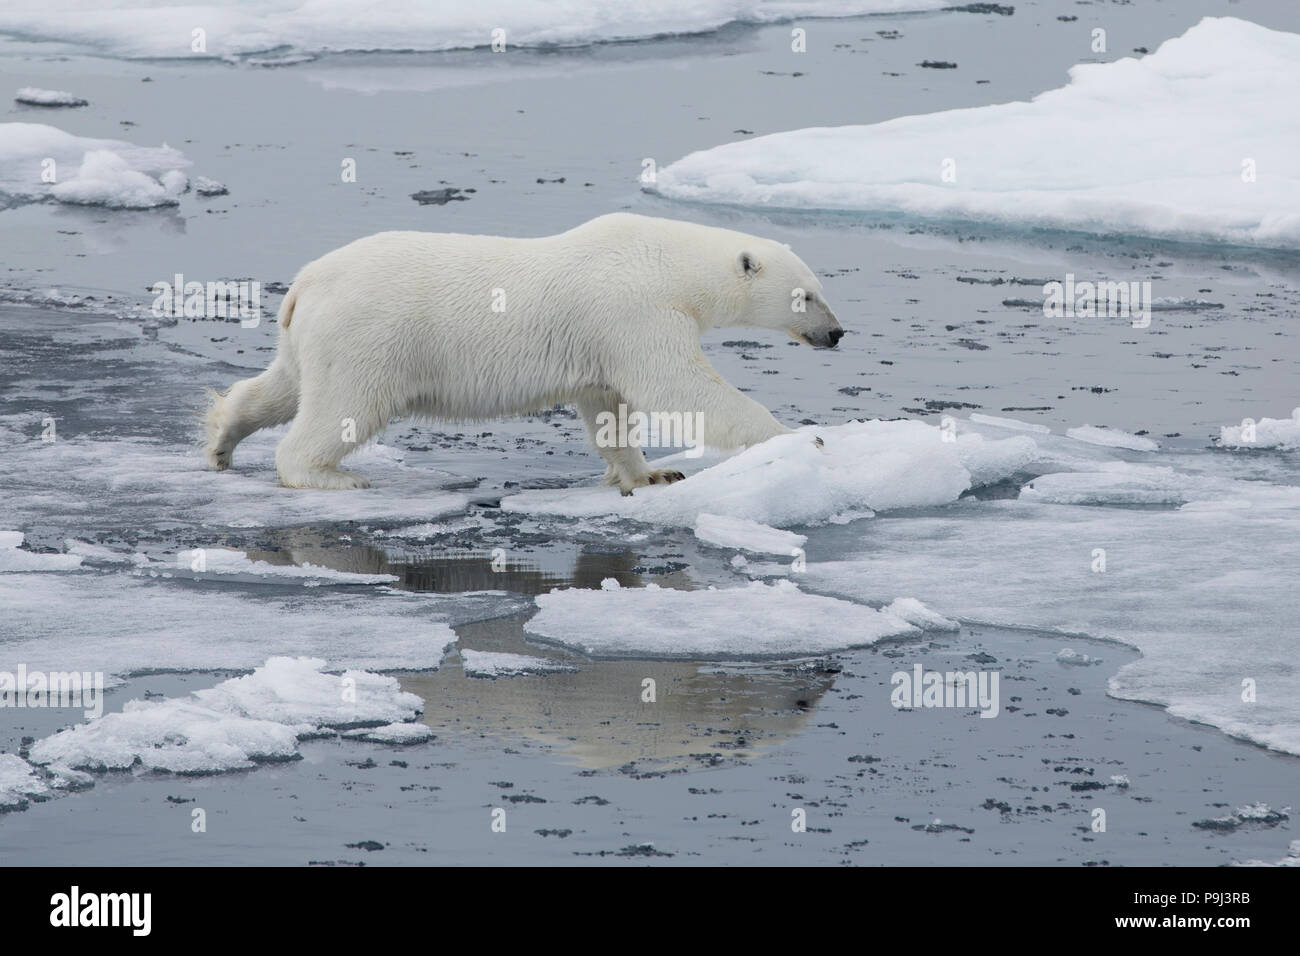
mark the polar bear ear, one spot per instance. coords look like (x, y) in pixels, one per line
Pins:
(747, 264)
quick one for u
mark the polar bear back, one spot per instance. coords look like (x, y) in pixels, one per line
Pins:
(467, 326)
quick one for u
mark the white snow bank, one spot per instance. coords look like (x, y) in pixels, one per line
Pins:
(105, 172)
(260, 716)
(1111, 438)
(119, 624)
(758, 621)
(746, 535)
(789, 480)
(147, 28)
(236, 566)
(34, 96)
(495, 664)
(13, 558)
(1192, 107)
(1266, 433)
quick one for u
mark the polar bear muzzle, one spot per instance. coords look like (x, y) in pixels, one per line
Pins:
(818, 325)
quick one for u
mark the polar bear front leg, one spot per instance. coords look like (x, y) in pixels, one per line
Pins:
(628, 468)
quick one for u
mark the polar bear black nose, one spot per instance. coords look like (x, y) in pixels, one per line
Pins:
(835, 335)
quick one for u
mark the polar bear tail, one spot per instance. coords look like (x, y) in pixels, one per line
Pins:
(253, 403)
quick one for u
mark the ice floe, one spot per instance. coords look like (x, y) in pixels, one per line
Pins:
(139, 28)
(39, 161)
(204, 186)
(14, 558)
(1124, 483)
(1111, 438)
(1204, 594)
(35, 96)
(106, 179)
(1069, 657)
(144, 484)
(914, 612)
(791, 480)
(1265, 433)
(745, 535)
(19, 784)
(1214, 163)
(120, 624)
(404, 733)
(497, 664)
(235, 566)
(234, 725)
(1014, 424)
(746, 623)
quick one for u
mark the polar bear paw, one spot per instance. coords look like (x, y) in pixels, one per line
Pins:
(325, 479)
(658, 477)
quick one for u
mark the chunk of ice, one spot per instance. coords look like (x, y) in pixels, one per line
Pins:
(758, 621)
(234, 725)
(740, 533)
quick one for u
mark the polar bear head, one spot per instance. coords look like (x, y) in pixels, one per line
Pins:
(775, 290)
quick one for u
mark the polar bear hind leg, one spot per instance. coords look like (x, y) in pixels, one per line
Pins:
(267, 399)
(328, 426)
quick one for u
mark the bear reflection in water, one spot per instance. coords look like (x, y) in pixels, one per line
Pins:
(596, 716)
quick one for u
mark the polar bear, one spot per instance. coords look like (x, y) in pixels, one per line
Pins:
(468, 327)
